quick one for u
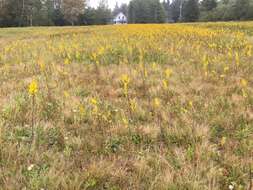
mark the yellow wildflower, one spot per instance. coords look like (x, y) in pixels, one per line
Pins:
(223, 141)
(237, 58)
(244, 93)
(168, 73)
(125, 80)
(154, 66)
(190, 103)
(145, 73)
(183, 110)
(66, 94)
(157, 102)
(205, 62)
(81, 110)
(249, 52)
(165, 84)
(226, 69)
(94, 56)
(66, 61)
(94, 101)
(33, 88)
(244, 83)
(41, 65)
(125, 121)
(133, 105)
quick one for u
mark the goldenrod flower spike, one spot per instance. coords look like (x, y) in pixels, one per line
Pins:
(33, 88)
(81, 109)
(94, 101)
(168, 73)
(125, 81)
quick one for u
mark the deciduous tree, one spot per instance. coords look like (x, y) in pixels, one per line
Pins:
(72, 9)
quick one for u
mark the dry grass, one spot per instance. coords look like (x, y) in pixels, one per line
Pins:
(127, 107)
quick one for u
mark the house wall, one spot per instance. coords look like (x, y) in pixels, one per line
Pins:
(120, 18)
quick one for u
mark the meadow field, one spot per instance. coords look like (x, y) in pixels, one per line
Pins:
(131, 107)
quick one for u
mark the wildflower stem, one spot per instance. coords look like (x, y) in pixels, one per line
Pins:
(250, 178)
(33, 112)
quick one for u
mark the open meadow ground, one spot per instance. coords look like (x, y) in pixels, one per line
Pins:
(131, 107)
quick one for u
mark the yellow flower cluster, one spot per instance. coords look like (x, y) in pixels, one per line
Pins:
(125, 80)
(33, 88)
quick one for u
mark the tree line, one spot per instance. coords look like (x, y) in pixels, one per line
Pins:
(52, 13)
(77, 12)
(40, 12)
(154, 11)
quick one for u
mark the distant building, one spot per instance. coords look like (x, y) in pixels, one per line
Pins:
(57, 4)
(120, 18)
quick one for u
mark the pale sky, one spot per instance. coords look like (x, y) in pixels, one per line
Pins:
(111, 3)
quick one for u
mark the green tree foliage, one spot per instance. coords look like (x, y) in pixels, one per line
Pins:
(131, 12)
(72, 9)
(103, 13)
(146, 11)
(100, 16)
(158, 11)
(208, 5)
(176, 10)
(26, 12)
(168, 10)
(67, 12)
(227, 10)
(241, 9)
(190, 11)
(58, 17)
(10, 13)
(39, 12)
(89, 17)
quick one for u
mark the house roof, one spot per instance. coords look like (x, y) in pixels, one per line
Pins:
(120, 17)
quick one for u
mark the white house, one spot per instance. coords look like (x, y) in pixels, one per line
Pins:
(120, 19)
